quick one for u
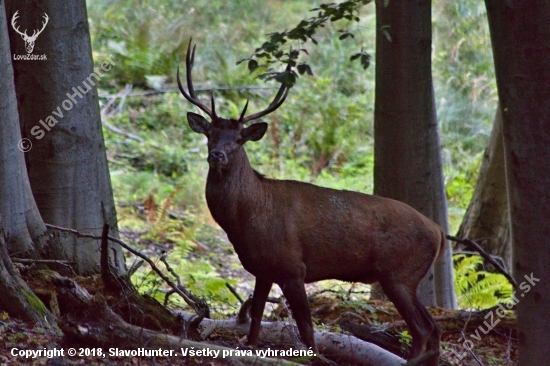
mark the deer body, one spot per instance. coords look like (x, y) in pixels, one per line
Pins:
(291, 233)
(282, 228)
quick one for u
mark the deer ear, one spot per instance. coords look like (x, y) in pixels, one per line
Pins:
(254, 132)
(198, 123)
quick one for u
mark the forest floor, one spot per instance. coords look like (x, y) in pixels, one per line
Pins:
(466, 340)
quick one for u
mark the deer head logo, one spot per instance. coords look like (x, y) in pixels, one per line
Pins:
(29, 40)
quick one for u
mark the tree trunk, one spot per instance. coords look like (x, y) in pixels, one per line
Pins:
(407, 163)
(18, 212)
(20, 222)
(59, 114)
(487, 214)
(520, 35)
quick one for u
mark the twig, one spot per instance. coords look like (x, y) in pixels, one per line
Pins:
(475, 356)
(486, 256)
(197, 88)
(41, 261)
(122, 95)
(114, 129)
(234, 292)
(169, 268)
(110, 281)
(136, 253)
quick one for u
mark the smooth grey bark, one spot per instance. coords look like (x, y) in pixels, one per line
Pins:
(486, 218)
(20, 222)
(407, 160)
(59, 114)
(520, 36)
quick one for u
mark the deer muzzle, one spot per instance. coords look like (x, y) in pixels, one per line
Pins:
(217, 158)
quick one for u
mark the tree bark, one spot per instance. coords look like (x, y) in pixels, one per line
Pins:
(59, 114)
(20, 218)
(407, 164)
(487, 214)
(20, 222)
(341, 348)
(520, 35)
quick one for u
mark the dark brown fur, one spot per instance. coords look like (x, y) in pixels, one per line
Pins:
(291, 233)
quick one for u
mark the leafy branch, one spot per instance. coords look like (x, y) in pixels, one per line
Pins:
(274, 52)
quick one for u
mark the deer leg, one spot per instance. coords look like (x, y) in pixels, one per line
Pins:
(295, 293)
(261, 290)
(433, 342)
(413, 312)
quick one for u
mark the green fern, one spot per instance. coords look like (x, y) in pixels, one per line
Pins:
(476, 288)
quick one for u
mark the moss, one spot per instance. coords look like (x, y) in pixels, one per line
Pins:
(36, 304)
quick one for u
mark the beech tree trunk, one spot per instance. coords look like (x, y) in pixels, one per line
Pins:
(20, 222)
(407, 165)
(487, 215)
(520, 35)
(59, 115)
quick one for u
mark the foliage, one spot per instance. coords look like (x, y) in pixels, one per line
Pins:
(405, 338)
(272, 51)
(477, 288)
(465, 95)
(323, 132)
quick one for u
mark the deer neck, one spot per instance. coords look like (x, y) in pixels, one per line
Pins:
(235, 193)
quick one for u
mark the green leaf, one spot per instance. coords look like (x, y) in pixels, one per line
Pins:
(386, 3)
(252, 65)
(365, 60)
(305, 69)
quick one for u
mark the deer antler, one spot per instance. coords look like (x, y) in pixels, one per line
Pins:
(276, 103)
(191, 96)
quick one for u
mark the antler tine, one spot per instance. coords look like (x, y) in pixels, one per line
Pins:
(244, 111)
(276, 103)
(212, 103)
(191, 96)
(189, 62)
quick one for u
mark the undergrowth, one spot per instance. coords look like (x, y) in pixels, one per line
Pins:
(322, 134)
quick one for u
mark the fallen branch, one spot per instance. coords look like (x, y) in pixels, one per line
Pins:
(166, 279)
(386, 339)
(197, 88)
(486, 256)
(41, 261)
(104, 328)
(462, 320)
(344, 349)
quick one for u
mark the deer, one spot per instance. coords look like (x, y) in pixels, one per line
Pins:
(29, 40)
(291, 233)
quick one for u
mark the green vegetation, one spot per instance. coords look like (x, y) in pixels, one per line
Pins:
(322, 134)
(477, 288)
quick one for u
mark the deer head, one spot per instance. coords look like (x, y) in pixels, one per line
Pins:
(29, 40)
(225, 136)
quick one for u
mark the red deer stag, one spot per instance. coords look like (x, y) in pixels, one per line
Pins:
(291, 233)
